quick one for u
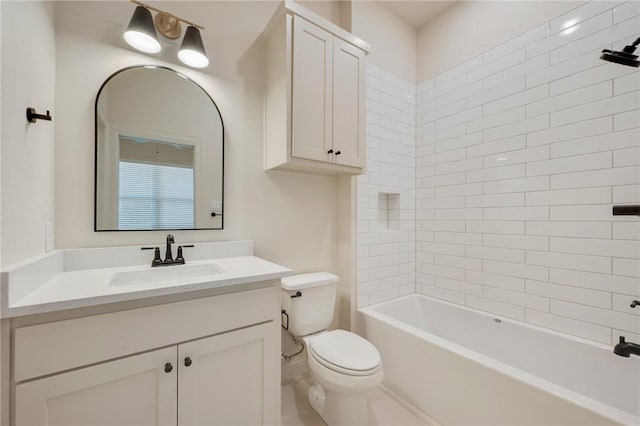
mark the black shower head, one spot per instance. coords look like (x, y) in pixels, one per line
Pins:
(623, 57)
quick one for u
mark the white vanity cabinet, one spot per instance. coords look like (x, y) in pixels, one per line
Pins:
(315, 96)
(207, 361)
(135, 390)
(228, 379)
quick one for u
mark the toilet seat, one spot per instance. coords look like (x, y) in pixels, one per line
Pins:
(345, 353)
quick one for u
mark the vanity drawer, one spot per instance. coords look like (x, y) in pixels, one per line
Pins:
(48, 348)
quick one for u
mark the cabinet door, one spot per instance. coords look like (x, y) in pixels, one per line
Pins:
(311, 91)
(131, 391)
(231, 379)
(348, 104)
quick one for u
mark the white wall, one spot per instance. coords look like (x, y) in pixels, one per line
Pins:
(328, 9)
(469, 28)
(386, 255)
(291, 218)
(386, 223)
(28, 80)
(393, 41)
(521, 152)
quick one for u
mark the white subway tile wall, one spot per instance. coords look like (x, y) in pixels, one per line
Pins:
(386, 193)
(519, 155)
(542, 138)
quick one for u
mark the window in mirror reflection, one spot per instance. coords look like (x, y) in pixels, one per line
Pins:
(156, 184)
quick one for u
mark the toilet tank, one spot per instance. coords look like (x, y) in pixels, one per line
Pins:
(312, 310)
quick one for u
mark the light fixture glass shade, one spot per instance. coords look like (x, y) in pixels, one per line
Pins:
(192, 51)
(141, 34)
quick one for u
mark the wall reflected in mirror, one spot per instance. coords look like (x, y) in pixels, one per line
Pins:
(159, 153)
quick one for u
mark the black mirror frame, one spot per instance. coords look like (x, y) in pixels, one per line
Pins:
(95, 153)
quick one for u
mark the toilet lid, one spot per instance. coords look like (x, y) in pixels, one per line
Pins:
(345, 352)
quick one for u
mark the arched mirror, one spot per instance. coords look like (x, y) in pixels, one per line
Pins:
(159, 153)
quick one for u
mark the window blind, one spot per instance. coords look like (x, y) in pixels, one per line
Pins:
(155, 196)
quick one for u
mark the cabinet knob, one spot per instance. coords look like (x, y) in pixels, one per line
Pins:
(187, 362)
(337, 152)
(168, 368)
(330, 151)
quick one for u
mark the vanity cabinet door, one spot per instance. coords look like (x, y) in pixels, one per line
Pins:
(349, 123)
(137, 390)
(231, 378)
(312, 91)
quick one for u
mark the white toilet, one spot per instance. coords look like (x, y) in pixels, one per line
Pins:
(343, 365)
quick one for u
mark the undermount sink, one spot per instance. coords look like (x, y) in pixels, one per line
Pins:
(163, 274)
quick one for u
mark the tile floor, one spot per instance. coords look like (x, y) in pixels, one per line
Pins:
(387, 409)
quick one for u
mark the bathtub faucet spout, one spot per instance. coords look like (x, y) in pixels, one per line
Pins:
(625, 349)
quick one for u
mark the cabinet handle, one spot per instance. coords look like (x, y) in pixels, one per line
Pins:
(187, 362)
(337, 152)
(168, 368)
(330, 151)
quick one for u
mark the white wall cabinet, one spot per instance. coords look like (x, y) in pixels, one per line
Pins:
(228, 377)
(312, 110)
(349, 89)
(315, 97)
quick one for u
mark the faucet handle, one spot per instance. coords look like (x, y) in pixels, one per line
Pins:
(156, 255)
(179, 257)
(622, 339)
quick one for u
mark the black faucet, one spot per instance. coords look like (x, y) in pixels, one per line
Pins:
(625, 349)
(168, 257)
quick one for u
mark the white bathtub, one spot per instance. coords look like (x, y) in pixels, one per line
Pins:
(466, 367)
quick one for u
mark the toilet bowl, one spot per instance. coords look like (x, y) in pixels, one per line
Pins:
(344, 366)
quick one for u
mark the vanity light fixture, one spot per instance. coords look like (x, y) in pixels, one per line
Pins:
(141, 34)
(624, 56)
(192, 50)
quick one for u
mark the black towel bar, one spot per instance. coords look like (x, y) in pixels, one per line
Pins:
(630, 210)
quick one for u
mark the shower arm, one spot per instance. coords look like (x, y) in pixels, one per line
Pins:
(632, 47)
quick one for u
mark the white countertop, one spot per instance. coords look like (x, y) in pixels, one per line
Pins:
(68, 289)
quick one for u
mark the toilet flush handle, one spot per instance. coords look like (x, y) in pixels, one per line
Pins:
(298, 294)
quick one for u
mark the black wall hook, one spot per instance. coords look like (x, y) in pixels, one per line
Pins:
(32, 116)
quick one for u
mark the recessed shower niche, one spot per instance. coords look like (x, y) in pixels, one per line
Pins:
(388, 211)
